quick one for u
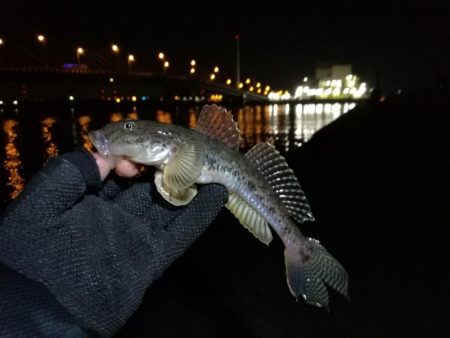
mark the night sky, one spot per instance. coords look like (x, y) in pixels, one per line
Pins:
(408, 43)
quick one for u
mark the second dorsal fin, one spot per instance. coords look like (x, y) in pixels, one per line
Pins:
(217, 123)
(281, 178)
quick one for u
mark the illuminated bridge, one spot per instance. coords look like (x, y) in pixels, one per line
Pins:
(47, 85)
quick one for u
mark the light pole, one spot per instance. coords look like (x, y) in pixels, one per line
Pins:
(131, 60)
(2, 43)
(116, 50)
(43, 41)
(193, 65)
(238, 61)
(166, 66)
(80, 51)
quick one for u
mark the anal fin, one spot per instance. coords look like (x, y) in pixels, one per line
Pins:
(249, 218)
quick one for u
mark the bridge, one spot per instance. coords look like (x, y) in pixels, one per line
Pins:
(31, 84)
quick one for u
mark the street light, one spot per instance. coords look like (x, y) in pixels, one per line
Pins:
(161, 56)
(41, 38)
(212, 76)
(131, 60)
(80, 51)
(116, 50)
(192, 70)
(216, 69)
(43, 41)
(166, 66)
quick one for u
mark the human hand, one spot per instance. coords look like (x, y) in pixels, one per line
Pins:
(97, 245)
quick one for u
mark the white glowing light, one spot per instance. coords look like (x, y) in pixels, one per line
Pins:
(71, 98)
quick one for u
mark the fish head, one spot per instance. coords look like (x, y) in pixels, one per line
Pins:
(140, 141)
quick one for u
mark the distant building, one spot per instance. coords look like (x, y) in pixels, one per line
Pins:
(330, 72)
(332, 82)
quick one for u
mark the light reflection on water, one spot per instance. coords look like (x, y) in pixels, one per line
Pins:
(286, 126)
(12, 163)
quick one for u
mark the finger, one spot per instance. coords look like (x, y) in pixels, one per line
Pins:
(104, 167)
(126, 168)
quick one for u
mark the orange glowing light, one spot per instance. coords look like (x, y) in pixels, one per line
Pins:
(84, 122)
(163, 116)
(12, 162)
(47, 124)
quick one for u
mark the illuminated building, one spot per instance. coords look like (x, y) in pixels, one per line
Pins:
(332, 82)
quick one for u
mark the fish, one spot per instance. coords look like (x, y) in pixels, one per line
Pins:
(263, 192)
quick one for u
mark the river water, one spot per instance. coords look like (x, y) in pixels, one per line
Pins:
(30, 136)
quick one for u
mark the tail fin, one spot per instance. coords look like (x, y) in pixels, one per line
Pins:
(307, 276)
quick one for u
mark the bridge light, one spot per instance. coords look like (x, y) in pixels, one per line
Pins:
(41, 38)
(115, 48)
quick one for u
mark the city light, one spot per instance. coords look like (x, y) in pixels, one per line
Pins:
(216, 69)
(228, 81)
(115, 48)
(212, 77)
(347, 86)
(130, 61)
(1, 42)
(80, 51)
(247, 81)
(41, 38)
(192, 71)
(193, 63)
(161, 56)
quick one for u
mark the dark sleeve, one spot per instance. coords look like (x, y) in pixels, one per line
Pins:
(27, 307)
(98, 251)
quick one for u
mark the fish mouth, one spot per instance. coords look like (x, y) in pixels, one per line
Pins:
(100, 142)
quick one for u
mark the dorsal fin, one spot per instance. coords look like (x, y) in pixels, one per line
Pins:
(216, 122)
(281, 178)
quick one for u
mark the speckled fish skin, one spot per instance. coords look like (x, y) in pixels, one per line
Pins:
(309, 266)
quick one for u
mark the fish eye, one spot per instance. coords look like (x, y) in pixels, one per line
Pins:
(129, 125)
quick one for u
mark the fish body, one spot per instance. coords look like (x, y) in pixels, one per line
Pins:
(262, 188)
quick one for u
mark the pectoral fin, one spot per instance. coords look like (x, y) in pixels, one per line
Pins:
(185, 167)
(172, 195)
